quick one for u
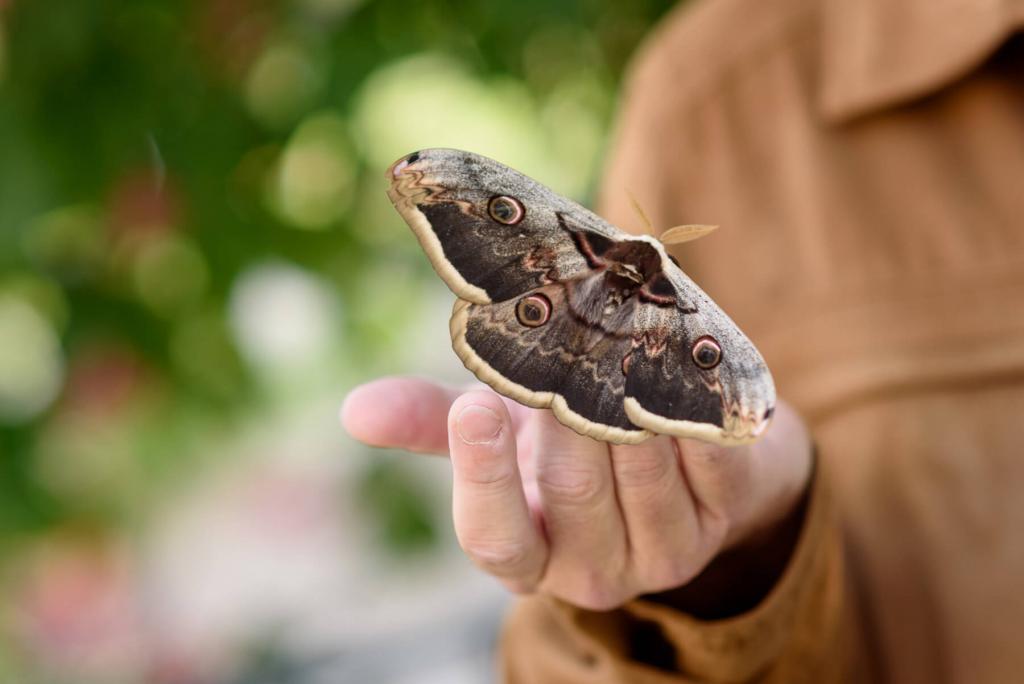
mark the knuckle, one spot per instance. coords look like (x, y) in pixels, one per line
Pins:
(698, 450)
(668, 573)
(641, 468)
(517, 586)
(485, 469)
(571, 484)
(599, 597)
(715, 529)
(498, 556)
(592, 590)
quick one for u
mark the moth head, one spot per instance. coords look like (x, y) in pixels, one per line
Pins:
(399, 166)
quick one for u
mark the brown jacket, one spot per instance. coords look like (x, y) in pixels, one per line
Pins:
(865, 159)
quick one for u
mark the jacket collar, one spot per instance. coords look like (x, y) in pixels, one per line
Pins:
(879, 53)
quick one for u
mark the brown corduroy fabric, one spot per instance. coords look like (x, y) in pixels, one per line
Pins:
(866, 163)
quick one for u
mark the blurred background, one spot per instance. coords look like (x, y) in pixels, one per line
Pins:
(197, 261)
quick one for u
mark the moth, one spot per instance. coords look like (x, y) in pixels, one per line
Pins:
(558, 308)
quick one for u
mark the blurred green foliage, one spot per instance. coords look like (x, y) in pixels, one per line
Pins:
(401, 510)
(194, 236)
(183, 184)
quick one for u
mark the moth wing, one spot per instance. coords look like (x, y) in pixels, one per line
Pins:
(617, 382)
(444, 196)
(574, 369)
(668, 393)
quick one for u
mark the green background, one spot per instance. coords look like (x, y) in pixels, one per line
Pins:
(195, 240)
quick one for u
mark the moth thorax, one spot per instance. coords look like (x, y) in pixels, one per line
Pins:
(622, 286)
(627, 272)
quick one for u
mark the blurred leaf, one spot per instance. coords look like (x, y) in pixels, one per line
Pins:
(397, 506)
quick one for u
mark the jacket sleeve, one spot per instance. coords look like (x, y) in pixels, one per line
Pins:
(799, 632)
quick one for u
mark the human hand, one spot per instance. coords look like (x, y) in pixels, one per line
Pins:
(544, 509)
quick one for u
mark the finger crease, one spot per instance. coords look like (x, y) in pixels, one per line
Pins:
(618, 506)
(698, 505)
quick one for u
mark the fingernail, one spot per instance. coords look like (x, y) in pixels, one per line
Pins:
(477, 424)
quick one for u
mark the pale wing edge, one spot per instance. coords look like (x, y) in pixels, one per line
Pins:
(705, 432)
(430, 243)
(556, 402)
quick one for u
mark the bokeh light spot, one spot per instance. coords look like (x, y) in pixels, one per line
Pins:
(315, 175)
(169, 273)
(282, 84)
(434, 101)
(574, 116)
(282, 316)
(69, 242)
(42, 293)
(31, 363)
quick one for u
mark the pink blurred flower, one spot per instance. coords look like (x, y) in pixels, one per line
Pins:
(76, 610)
(104, 380)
